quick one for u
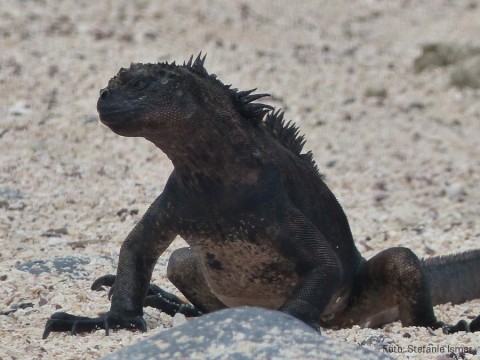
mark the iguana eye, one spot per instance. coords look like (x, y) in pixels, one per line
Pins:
(139, 84)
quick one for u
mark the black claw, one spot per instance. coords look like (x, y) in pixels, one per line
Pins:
(106, 326)
(475, 324)
(105, 280)
(47, 331)
(315, 325)
(141, 324)
(74, 328)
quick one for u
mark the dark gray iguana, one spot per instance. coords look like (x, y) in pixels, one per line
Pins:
(263, 228)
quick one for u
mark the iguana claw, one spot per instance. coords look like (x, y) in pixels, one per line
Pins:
(105, 280)
(475, 324)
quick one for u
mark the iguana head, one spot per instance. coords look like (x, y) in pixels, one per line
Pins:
(168, 100)
(191, 115)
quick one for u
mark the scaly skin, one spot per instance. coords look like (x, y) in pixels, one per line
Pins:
(263, 228)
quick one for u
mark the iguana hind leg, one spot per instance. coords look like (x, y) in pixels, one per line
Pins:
(184, 271)
(399, 273)
(392, 286)
(156, 297)
(388, 287)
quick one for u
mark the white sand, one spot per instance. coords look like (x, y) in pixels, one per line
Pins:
(316, 61)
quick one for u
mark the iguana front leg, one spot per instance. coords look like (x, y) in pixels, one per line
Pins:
(299, 240)
(138, 256)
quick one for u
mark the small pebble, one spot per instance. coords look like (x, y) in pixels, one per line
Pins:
(178, 319)
(453, 191)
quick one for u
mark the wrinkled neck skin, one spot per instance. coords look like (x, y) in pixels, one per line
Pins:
(210, 154)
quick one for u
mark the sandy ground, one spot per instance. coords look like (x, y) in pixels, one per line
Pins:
(405, 167)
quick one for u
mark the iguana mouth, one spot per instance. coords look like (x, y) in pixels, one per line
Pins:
(113, 115)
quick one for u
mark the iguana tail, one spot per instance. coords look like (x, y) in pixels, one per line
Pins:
(453, 278)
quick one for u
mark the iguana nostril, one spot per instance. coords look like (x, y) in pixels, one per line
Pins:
(103, 93)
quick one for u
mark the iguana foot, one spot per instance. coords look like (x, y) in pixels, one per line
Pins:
(462, 325)
(156, 298)
(61, 321)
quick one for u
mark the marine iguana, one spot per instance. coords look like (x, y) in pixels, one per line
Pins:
(263, 228)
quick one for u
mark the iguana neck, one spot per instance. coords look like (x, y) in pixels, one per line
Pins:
(210, 154)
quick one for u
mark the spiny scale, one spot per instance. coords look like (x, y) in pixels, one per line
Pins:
(287, 133)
